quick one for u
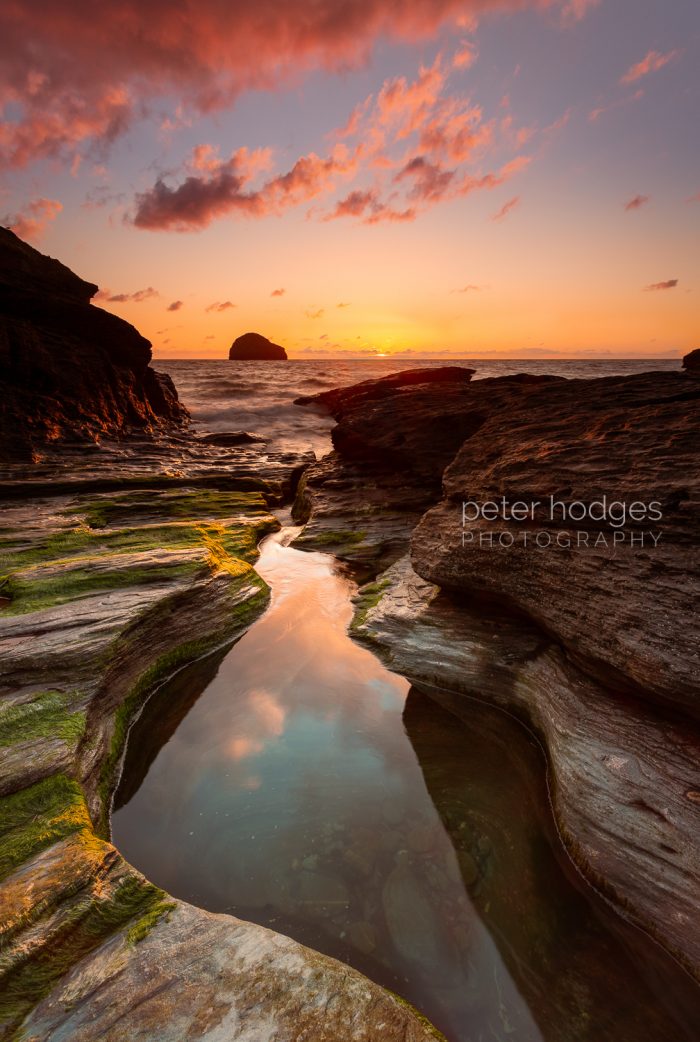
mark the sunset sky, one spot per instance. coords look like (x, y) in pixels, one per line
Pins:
(430, 177)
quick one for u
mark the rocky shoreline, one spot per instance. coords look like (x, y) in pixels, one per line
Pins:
(128, 550)
(596, 651)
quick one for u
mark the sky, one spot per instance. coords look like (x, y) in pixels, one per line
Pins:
(438, 178)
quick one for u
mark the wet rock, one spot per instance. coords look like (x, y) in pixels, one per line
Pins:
(252, 346)
(230, 438)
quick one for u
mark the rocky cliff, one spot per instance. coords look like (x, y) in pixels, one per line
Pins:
(70, 371)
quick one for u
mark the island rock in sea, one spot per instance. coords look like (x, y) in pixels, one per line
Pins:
(252, 346)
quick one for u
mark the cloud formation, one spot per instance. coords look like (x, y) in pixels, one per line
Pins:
(223, 305)
(127, 298)
(668, 284)
(278, 292)
(651, 62)
(30, 223)
(506, 208)
(575, 10)
(70, 92)
(223, 186)
(637, 202)
(175, 306)
(415, 142)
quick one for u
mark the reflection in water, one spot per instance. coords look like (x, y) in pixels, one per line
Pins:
(288, 793)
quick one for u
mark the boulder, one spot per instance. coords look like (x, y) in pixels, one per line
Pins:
(255, 346)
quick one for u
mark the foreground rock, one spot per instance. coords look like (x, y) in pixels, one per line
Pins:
(202, 976)
(107, 595)
(69, 369)
(585, 646)
(626, 608)
(255, 346)
(394, 438)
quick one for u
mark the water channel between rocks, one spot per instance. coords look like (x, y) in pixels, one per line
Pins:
(295, 782)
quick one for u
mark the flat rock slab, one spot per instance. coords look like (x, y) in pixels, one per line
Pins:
(210, 977)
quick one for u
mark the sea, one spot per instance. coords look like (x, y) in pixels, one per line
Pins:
(258, 397)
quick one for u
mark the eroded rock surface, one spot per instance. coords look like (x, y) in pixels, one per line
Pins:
(588, 647)
(394, 438)
(627, 613)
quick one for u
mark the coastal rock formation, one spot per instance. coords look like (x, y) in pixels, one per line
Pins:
(586, 645)
(106, 595)
(252, 346)
(124, 559)
(691, 362)
(70, 371)
(394, 438)
(625, 607)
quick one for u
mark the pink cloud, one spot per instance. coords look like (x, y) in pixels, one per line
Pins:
(30, 223)
(652, 62)
(506, 208)
(465, 57)
(575, 10)
(72, 91)
(224, 305)
(175, 306)
(278, 292)
(125, 298)
(368, 206)
(637, 202)
(222, 187)
(668, 284)
(430, 182)
(412, 142)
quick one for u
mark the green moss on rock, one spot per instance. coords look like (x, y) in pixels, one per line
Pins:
(86, 925)
(37, 817)
(367, 598)
(47, 715)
